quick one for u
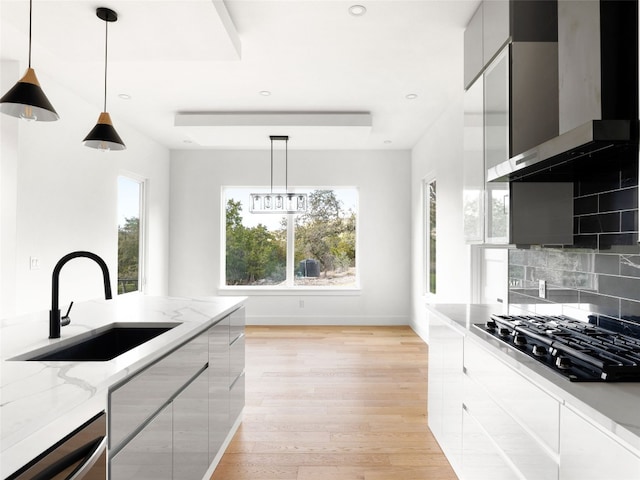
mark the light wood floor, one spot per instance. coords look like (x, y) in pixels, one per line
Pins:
(333, 403)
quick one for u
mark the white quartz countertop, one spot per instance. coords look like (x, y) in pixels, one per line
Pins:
(41, 402)
(614, 407)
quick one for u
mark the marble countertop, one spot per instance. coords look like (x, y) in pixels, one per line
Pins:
(41, 402)
(615, 407)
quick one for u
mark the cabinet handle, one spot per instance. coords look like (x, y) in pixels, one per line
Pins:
(90, 462)
(233, 384)
(236, 339)
(90, 452)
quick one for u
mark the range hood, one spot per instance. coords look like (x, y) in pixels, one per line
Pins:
(591, 138)
(598, 89)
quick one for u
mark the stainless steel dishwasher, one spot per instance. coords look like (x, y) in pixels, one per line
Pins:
(79, 455)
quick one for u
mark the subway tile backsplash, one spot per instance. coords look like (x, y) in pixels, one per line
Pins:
(597, 279)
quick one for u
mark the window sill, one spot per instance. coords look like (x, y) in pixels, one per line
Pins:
(297, 291)
(131, 293)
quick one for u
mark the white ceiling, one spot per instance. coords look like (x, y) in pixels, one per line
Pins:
(209, 56)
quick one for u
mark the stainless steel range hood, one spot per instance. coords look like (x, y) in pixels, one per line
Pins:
(598, 89)
(584, 141)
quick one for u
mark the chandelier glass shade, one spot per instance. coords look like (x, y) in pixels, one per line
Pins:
(278, 202)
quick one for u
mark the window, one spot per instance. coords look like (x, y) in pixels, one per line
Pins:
(130, 195)
(313, 249)
(430, 236)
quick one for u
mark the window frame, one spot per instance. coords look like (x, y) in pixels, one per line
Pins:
(142, 229)
(289, 287)
(429, 288)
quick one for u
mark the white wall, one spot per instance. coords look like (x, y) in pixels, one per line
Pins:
(384, 230)
(66, 200)
(8, 195)
(439, 153)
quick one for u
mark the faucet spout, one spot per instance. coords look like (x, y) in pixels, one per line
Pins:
(54, 313)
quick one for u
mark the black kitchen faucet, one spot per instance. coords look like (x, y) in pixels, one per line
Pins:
(55, 322)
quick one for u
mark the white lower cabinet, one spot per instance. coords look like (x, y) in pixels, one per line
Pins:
(493, 422)
(588, 453)
(520, 419)
(170, 420)
(482, 460)
(536, 411)
(446, 387)
(520, 451)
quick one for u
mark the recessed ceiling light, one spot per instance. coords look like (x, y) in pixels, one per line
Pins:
(265, 93)
(124, 96)
(411, 96)
(357, 10)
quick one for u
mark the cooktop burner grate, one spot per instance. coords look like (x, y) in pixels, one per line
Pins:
(577, 350)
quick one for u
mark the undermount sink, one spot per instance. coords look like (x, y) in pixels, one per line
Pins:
(100, 345)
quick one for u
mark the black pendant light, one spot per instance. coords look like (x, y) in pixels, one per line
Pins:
(103, 136)
(26, 99)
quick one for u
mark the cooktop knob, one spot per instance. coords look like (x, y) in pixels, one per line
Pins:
(504, 332)
(563, 363)
(539, 351)
(520, 339)
(490, 325)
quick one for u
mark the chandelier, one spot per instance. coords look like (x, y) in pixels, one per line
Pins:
(285, 202)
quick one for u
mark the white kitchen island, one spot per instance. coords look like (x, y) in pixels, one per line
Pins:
(42, 401)
(498, 414)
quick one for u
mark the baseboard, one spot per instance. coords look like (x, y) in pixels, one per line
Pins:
(378, 321)
(421, 330)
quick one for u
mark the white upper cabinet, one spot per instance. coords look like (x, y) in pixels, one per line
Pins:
(473, 166)
(473, 56)
(496, 31)
(499, 22)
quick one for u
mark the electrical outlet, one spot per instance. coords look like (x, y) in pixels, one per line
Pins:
(301, 303)
(542, 288)
(34, 263)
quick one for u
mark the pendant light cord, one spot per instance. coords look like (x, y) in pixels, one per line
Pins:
(30, 15)
(106, 46)
(272, 165)
(286, 161)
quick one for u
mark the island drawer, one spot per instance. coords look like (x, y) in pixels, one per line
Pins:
(134, 401)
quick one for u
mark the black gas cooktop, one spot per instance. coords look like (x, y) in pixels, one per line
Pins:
(579, 351)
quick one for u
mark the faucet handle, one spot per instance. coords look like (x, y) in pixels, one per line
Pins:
(65, 320)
